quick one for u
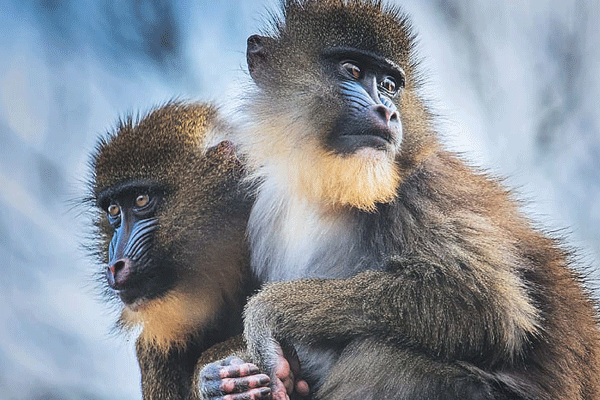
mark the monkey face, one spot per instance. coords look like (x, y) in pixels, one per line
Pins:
(349, 99)
(368, 86)
(335, 132)
(137, 270)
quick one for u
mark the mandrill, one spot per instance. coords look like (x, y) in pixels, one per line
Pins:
(396, 270)
(170, 232)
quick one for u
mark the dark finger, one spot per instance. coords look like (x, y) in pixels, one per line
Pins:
(236, 371)
(212, 371)
(239, 385)
(216, 371)
(254, 394)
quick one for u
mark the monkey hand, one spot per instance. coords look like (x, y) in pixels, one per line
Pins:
(233, 379)
(286, 374)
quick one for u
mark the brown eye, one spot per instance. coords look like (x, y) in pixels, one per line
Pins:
(142, 200)
(352, 69)
(114, 210)
(389, 84)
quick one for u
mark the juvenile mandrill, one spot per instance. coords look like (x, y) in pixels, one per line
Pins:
(171, 235)
(426, 281)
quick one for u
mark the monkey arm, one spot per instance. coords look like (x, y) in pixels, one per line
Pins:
(166, 372)
(415, 304)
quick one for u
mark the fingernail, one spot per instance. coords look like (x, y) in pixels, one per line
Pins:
(253, 369)
(265, 391)
(264, 380)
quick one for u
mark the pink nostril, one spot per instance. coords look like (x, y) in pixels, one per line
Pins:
(116, 267)
(385, 113)
(118, 273)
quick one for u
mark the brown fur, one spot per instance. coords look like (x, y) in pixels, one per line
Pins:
(451, 287)
(200, 236)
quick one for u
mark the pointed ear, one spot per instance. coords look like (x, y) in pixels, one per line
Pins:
(258, 57)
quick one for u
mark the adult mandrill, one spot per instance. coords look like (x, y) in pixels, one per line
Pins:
(426, 280)
(171, 236)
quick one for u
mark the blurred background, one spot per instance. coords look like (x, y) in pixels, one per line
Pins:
(516, 84)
